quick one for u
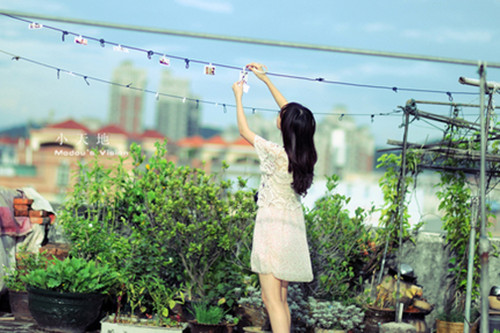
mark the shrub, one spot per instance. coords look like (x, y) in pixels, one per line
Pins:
(154, 220)
(340, 246)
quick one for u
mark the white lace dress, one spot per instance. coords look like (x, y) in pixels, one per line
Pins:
(279, 241)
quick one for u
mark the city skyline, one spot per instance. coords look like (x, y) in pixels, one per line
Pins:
(175, 118)
(126, 106)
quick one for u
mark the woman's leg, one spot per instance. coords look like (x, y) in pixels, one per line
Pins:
(273, 290)
(284, 300)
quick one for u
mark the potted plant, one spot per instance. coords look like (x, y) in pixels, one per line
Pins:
(231, 322)
(332, 316)
(68, 294)
(452, 320)
(251, 307)
(18, 295)
(207, 318)
(165, 315)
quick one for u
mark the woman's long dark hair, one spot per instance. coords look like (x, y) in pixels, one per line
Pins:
(297, 128)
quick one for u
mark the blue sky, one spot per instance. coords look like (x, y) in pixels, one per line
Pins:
(456, 29)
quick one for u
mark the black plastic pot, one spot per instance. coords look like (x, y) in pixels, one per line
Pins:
(64, 312)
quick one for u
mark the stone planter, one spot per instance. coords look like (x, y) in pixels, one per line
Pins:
(64, 312)
(135, 326)
(18, 301)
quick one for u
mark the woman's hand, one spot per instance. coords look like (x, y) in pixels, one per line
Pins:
(259, 70)
(238, 89)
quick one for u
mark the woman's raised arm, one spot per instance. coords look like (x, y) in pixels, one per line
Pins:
(260, 72)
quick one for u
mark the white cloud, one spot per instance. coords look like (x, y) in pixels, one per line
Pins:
(450, 35)
(481, 36)
(374, 71)
(209, 6)
(377, 27)
(34, 6)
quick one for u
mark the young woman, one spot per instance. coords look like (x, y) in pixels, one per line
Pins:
(280, 253)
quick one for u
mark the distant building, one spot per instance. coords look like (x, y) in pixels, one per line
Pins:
(47, 160)
(343, 147)
(209, 154)
(177, 118)
(8, 151)
(126, 105)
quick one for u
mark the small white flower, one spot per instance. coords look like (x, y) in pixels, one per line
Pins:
(90, 225)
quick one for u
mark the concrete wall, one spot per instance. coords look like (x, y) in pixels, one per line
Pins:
(429, 260)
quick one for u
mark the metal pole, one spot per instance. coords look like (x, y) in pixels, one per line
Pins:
(468, 105)
(484, 244)
(401, 197)
(470, 265)
(474, 82)
(382, 265)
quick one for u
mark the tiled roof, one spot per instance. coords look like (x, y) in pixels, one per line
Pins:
(114, 129)
(7, 140)
(241, 142)
(70, 124)
(217, 140)
(193, 141)
(152, 134)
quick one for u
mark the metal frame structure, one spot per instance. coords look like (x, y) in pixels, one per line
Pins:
(484, 242)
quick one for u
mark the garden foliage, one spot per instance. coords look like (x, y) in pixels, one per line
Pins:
(340, 246)
(155, 221)
(73, 275)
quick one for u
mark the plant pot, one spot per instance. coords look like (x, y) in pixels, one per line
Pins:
(18, 301)
(374, 317)
(229, 328)
(252, 316)
(206, 328)
(254, 329)
(142, 326)
(453, 327)
(64, 312)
